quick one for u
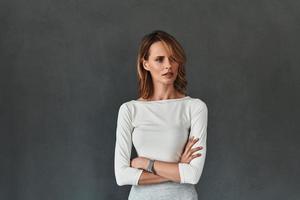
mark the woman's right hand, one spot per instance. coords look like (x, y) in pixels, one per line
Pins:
(187, 154)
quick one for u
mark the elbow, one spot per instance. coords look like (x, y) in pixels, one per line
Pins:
(194, 177)
(119, 183)
(189, 174)
(194, 180)
(119, 180)
(127, 176)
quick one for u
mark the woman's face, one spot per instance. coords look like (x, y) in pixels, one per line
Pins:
(162, 67)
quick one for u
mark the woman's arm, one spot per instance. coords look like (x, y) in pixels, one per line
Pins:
(150, 178)
(124, 173)
(191, 172)
(166, 171)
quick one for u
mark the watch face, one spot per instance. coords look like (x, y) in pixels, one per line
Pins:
(150, 166)
(152, 162)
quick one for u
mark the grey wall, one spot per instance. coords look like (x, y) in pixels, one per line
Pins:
(66, 67)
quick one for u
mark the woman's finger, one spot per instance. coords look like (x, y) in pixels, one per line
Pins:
(196, 155)
(190, 144)
(193, 156)
(187, 146)
(194, 150)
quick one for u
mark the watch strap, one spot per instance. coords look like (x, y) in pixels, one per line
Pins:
(150, 166)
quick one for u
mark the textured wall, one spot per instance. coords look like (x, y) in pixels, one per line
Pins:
(66, 67)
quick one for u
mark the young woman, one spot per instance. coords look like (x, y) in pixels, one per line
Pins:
(166, 127)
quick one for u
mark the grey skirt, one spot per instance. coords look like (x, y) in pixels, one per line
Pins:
(163, 191)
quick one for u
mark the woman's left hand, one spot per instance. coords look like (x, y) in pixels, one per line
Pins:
(139, 162)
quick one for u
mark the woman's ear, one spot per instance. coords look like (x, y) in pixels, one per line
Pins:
(145, 65)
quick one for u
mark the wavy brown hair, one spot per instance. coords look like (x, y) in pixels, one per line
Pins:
(145, 84)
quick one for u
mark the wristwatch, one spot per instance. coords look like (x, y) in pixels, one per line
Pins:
(150, 167)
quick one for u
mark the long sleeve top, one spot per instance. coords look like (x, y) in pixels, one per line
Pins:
(159, 130)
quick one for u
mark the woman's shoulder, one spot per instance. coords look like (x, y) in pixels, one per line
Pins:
(197, 102)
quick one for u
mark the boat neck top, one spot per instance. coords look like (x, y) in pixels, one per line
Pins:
(163, 100)
(159, 130)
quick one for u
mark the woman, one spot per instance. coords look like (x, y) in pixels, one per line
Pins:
(165, 126)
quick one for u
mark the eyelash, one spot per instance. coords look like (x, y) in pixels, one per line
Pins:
(160, 59)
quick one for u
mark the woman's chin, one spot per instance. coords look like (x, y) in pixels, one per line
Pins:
(168, 82)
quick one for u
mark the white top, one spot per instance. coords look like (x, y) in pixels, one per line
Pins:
(159, 130)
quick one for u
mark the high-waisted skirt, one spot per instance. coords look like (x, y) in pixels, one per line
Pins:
(163, 191)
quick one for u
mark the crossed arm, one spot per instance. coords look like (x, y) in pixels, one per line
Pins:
(165, 171)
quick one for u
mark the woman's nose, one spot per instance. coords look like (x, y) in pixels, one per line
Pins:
(168, 64)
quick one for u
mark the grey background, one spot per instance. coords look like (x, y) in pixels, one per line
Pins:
(66, 67)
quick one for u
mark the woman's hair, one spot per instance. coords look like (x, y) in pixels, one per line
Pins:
(145, 84)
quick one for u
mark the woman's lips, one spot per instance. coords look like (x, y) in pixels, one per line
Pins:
(168, 74)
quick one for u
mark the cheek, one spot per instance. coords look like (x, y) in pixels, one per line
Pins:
(156, 69)
(156, 66)
(155, 73)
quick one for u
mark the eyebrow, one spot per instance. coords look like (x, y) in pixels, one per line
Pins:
(162, 56)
